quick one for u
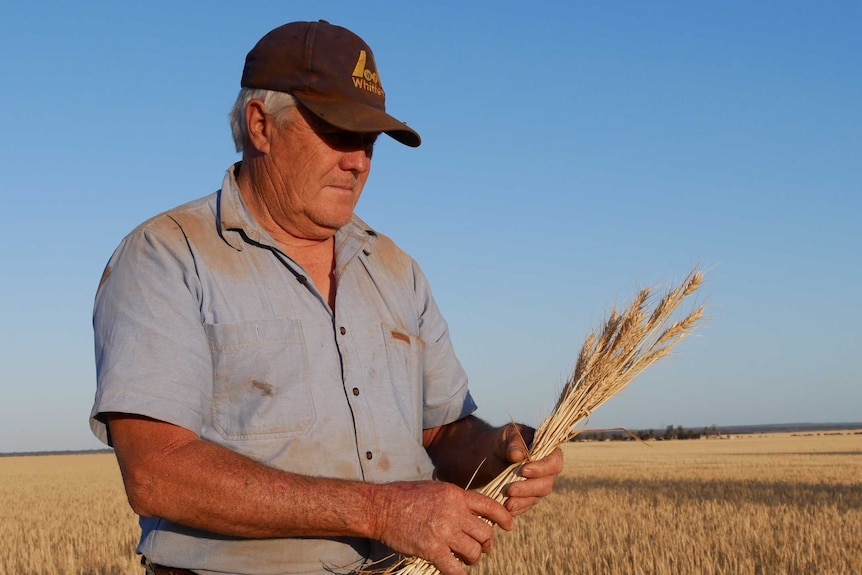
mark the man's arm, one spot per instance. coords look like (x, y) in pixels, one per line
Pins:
(462, 447)
(171, 473)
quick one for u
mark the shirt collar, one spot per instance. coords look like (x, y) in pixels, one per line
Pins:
(356, 236)
(235, 221)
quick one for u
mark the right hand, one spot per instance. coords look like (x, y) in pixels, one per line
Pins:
(438, 521)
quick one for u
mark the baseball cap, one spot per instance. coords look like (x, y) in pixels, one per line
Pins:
(329, 70)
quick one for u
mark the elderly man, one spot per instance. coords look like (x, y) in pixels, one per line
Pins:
(274, 375)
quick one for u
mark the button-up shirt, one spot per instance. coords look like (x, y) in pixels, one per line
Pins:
(202, 321)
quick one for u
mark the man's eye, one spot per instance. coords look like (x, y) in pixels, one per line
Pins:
(349, 140)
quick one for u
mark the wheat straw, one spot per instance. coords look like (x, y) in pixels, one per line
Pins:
(629, 342)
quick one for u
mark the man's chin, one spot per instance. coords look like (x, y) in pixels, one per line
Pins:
(329, 226)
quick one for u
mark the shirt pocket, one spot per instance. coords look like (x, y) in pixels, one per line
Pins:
(260, 379)
(404, 352)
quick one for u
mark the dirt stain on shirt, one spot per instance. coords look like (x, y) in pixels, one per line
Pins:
(265, 388)
(402, 336)
(384, 463)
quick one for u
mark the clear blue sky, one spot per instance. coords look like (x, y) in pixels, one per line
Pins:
(572, 153)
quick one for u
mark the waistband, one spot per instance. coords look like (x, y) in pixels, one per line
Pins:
(154, 569)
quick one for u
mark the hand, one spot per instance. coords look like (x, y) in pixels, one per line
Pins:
(539, 475)
(437, 521)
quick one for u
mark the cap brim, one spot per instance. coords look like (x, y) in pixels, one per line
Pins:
(355, 117)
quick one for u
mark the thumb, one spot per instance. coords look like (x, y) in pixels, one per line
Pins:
(516, 438)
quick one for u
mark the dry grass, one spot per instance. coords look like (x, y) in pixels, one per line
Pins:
(755, 505)
(65, 515)
(777, 504)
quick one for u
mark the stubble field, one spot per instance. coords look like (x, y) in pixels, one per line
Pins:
(775, 504)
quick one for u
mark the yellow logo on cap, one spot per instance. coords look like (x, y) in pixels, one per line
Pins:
(366, 79)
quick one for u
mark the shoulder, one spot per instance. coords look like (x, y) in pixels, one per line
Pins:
(383, 252)
(386, 248)
(162, 241)
(172, 230)
(182, 219)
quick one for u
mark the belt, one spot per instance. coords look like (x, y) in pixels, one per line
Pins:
(153, 569)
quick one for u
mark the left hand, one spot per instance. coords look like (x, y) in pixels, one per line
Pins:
(539, 476)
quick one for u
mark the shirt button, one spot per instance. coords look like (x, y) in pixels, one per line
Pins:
(368, 455)
(355, 391)
(302, 279)
(342, 330)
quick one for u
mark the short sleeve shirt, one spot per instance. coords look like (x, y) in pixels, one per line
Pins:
(203, 322)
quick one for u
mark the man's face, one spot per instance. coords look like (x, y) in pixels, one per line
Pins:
(317, 173)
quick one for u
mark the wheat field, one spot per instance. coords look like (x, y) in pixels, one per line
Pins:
(771, 504)
(774, 504)
(64, 515)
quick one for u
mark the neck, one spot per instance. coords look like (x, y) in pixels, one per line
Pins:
(255, 187)
(316, 255)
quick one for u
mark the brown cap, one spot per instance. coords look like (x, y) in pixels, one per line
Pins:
(329, 70)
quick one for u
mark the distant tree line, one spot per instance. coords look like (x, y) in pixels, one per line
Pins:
(670, 432)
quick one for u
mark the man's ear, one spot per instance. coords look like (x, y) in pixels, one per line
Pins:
(259, 126)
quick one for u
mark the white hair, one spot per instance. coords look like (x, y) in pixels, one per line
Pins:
(275, 103)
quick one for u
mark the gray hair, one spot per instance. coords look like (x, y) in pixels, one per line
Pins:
(275, 103)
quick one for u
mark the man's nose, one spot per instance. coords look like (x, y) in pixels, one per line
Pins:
(357, 161)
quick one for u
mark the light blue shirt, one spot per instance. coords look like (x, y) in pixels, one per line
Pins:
(203, 322)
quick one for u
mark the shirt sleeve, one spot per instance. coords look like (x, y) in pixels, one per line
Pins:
(152, 355)
(446, 397)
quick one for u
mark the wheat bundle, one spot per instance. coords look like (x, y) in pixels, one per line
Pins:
(629, 341)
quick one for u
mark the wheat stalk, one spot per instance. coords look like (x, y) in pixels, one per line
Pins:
(628, 343)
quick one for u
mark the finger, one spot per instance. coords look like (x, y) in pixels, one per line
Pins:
(519, 505)
(516, 452)
(517, 439)
(527, 433)
(484, 506)
(482, 533)
(538, 487)
(551, 465)
(448, 564)
(467, 549)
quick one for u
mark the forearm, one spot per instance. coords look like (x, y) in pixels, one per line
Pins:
(171, 473)
(203, 485)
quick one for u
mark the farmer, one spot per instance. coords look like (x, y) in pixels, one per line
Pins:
(274, 375)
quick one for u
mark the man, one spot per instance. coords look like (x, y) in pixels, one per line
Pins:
(274, 375)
